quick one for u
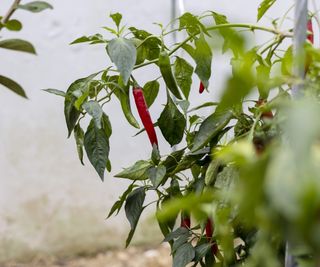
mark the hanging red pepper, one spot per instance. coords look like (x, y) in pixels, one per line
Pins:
(310, 36)
(209, 234)
(144, 114)
(201, 88)
(185, 220)
(266, 114)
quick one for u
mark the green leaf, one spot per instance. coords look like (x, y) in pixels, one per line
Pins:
(183, 72)
(133, 209)
(202, 250)
(55, 92)
(96, 144)
(210, 127)
(116, 17)
(183, 255)
(12, 85)
(18, 45)
(203, 59)
(119, 203)
(94, 39)
(95, 111)
(79, 137)
(172, 123)
(13, 25)
(123, 54)
(35, 6)
(150, 91)
(173, 160)
(212, 171)
(191, 23)
(139, 171)
(176, 233)
(156, 175)
(264, 7)
(106, 125)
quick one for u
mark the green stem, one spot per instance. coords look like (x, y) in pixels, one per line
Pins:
(218, 27)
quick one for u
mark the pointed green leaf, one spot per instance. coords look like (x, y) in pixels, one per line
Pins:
(79, 137)
(133, 209)
(35, 6)
(156, 175)
(264, 7)
(139, 171)
(123, 54)
(210, 127)
(183, 255)
(55, 92)
(172, 123)
(18, 45)
(150, 91)
(183, 72)
(95, 111)
(116, 17)
(12, 85)
(106, 125)
(96, 144)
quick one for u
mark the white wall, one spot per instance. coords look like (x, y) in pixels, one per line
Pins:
(48, 201)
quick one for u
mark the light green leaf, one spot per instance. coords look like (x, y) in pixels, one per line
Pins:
(95, 111)
(12, 85)
(35, 6)
(116, 17)
(18, 45)
(123, 54)
(156, 175)
(264, 7)
(96, 144)
(79, 137)
(183, 72)
(55, 92)
(139, 171)
(150, 91)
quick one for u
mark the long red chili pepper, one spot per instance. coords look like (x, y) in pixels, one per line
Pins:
(209, 234)
(145, 115)
(310, 36)
(185, 220)
(201, 88)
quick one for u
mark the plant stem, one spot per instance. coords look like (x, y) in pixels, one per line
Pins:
(218, 27)
(10, 12)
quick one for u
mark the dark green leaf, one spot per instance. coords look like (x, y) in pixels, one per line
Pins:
(202, 250)
(207, 104)
(150, 91)
(134, 208)
(55, 92)
(118, 204)
(264, 7)
(191, 23)
(183, 255)
(116, 17)
(123, 54)
(172, 123)
(139, 171)
(176, 233)
(155, 155)
(18, 45)
(211, 127)
(203, 59)
(106, 125)
(156, 175)
(12, 85)
(183, 72)
(13, 25)
(173, 160)
(96, 144)
(35, 6)
(95, 111)
(79, 137)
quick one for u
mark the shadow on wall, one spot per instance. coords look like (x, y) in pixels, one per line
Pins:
(36, 231)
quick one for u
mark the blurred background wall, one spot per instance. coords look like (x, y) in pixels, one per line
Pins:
(49, 203)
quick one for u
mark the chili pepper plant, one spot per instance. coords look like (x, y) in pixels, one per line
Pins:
(240, 182)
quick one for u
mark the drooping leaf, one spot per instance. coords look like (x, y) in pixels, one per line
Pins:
(96, 144)
(106, 125)
(12, 85)
(203, 59)
(55, 92)
(13, 25)
(95, 111)
(150, 91)
(79, 137)
(156, 175)
(123, 54)
(172, 123)
(133, 209)
(18, 45)
(183, 255)
(210, 127)
(139, 171)
(183, 72)
(35, 6)
(172, 161)
(264, 7)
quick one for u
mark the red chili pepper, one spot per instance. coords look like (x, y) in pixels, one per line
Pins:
(267, 114)
(209, 234)
(145, 115)
(310, 36)
(185, 220)
(201, 88)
